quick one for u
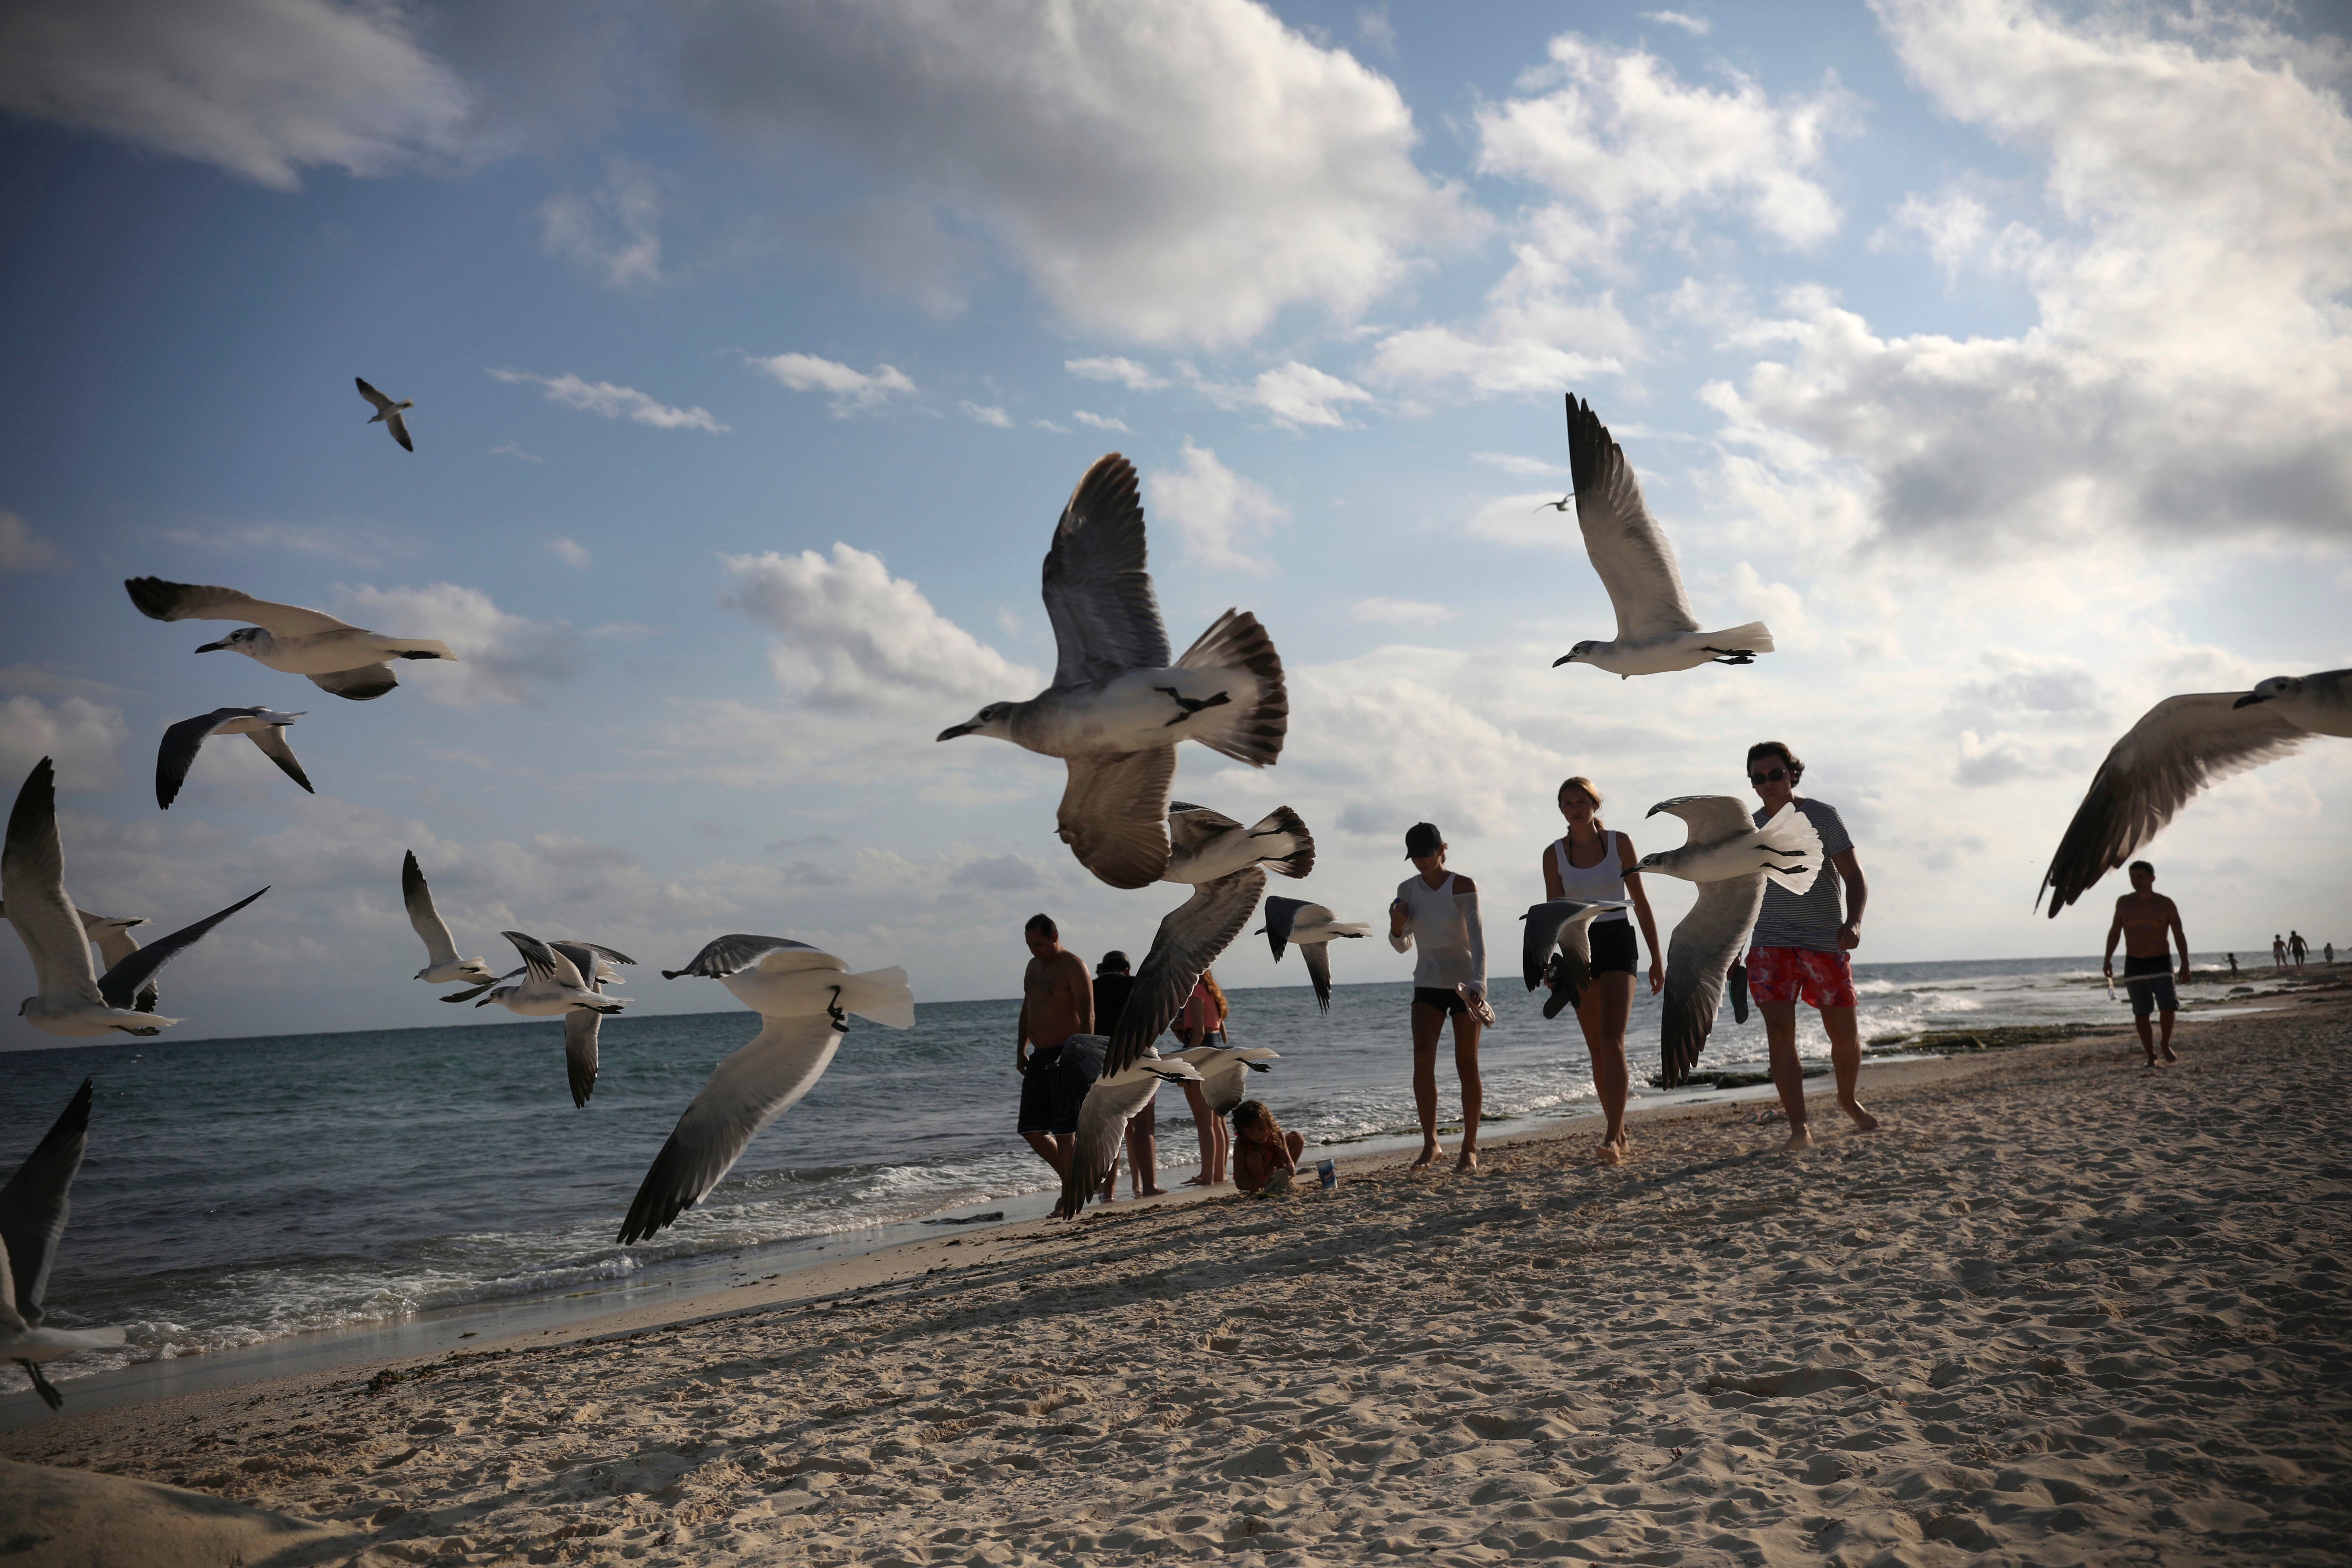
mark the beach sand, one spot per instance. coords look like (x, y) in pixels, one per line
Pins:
(2061, 1310)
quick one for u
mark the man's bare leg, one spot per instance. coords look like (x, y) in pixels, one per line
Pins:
(2167, 1015)
(1788, 1072)
(1054, 1150)
(1473, 1093)
(2146, 1037)
(1845, 1063)
(1426, 1023)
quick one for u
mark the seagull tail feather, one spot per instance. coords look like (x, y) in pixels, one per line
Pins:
(1250, 728)
(881, 994)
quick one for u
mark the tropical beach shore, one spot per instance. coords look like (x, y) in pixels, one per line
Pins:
(2062, 1308)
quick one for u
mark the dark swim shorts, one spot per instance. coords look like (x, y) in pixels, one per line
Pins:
(1051, 1092)
(2152, 995)
(1448, 1002)
(1613, 952)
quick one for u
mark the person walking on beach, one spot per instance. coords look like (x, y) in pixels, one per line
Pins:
(1057, 1000)
(1113, 981)
(2296, 948)
(2331, 953)
(1202, 1022)
(1439, 910)
(1798, 950)
(2278, 950)
(2233, 964)
(2146, 918)
(1589, 863)
(1262, 1150)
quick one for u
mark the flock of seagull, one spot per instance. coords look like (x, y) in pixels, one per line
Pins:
(1118, 707)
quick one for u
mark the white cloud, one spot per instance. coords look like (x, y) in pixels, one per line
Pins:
(1217, 511)
(348, 546)
(1372, 26)
(571, 551)
(1100, 421)
(84, 737)
(500, 657)
(1529, 522)
(1048, 425)
(260, 88)
(1168, 171)
(22, 548)
(1293, 395)
(1697, 26)
(614, 230)
(852, 391)
(515, 449)
(987, 413)
(1543, 328)
(1125, 372)
(615, 402)
(1399, 613)
(1523, 467)
(42, 682)
(856, 638)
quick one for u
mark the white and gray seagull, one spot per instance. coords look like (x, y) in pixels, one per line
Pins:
(803, 997)
(2177, 749)
(1204, 845)
(1657, 631)
(1731, 859)
(74, 1000)
(338, 656)
(32, 1208)
(566, 980)
(387, 414)
(1115, 1099)
(440, 947)
(115, 943)
(1311, 929)
(1118, 706)
(1190, 937)
(1562, 927)
(265, 727)
(1225, 1071)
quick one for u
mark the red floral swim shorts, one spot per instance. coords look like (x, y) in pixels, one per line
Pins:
(1801, 975)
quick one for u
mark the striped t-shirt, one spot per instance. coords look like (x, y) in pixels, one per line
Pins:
(1812, 921)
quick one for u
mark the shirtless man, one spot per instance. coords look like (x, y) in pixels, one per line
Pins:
(2144, 919)
(1057, 1000)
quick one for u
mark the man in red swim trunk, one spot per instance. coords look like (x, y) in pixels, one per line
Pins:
(1798, 950)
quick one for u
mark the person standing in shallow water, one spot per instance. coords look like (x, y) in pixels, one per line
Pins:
(1798, 950)
(1439, 910)
(1591, 863)
(2146, 918)
(1057, 1000)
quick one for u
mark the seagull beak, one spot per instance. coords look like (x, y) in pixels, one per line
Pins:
(952, 731)
(2248, 700)
(1563, 659)
(212, 647)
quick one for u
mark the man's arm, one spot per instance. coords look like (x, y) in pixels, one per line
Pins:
(1082, 993)
(2115, 929)
(1857, 895)
(2172, 910)
(1021, 1032)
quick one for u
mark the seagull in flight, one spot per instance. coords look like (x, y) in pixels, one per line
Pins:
(1118, 706)
(387, 414)
(115, 943)
(1205, 844)
(1311, 929)
(265, 727)
(74, 1000)
(440, 947)
(1731, 859)
(1225, 1071)
(2178, 748)
(1657, 631)
(1115, 1099)
(566, 980)
(803, 997)
(1564, 927)
(32, 1208)
(337, 656)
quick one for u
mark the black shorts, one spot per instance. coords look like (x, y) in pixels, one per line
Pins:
(1051, 1092)
(1613, 952)
(2152, 995)
(1444, 1000)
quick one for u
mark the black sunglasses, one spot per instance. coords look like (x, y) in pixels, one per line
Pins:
(1775, 776)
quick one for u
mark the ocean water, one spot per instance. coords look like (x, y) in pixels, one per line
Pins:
(240, 1191)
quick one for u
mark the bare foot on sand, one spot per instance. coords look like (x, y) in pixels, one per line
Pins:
(1613, 1151)
(1201, 1180)
(2170, 1055)
(1863, 1122)
(1429, 1156)
(1153, 1192)
(1798, 1138)
(1469, 1160)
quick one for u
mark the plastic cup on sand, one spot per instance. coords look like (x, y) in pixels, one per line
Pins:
(1328, 1173)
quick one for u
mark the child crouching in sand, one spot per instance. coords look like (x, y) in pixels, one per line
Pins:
(1264, 1157)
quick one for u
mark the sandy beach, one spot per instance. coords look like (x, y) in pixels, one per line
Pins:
(2061, 1310)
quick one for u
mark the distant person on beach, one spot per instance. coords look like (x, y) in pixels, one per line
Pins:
(2331, 953)
(1262, 1150)
(1439, 910)
(2296, 948)
(1591, 863)
(2278, 952)
(2146, 918)
(2234, 966)
(1113, 981)
(1202, 1022)
(1798, 950)
(1057, 1000)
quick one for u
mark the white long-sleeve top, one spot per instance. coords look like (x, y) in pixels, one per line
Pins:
(1444, 924)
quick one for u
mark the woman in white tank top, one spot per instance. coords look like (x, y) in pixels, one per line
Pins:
(1589, 863)
(1438, 911)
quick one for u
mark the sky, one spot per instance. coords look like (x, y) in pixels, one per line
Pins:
(1996, 353)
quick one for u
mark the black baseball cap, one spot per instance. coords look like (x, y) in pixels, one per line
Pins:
(1423, 838)
(1113, 962)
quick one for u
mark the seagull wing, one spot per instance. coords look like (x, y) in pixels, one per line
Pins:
(33, 880)
(178, 753)
(1282, 916)
(121, 984)
(748, 1090)
(1710, 818)
(2178, 748)
(32, 1205)
(1318, 956)
(161, 601)
(430, 928)
(582, 960)
(588, 965)
(1705, 944)
(382, 404)
(116, 943)
(1103, 1116)
(1097, 590)
(273, 746)
(543, 961)
(1190, 826)
(1114, 814)
(364, 684)
(1189, 940)
(724, 955)
(399, 428)
(580, 1027)
(1629, 549)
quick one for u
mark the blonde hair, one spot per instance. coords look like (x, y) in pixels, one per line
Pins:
(1217, 995)
(1253, 1114)
(1578, 782)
